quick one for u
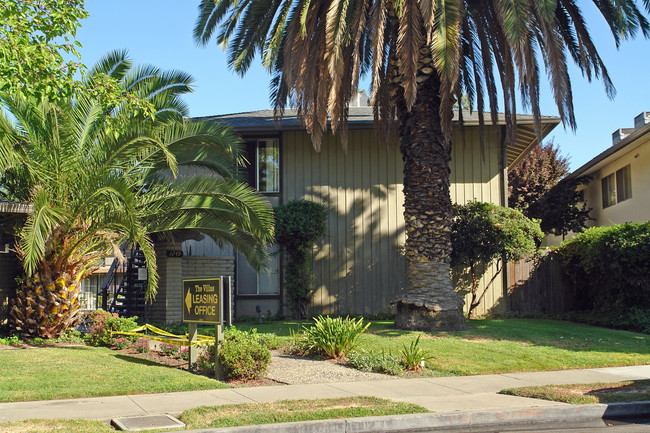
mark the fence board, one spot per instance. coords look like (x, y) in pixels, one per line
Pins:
(540, 289)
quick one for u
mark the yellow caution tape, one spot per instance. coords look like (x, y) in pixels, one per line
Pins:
(167, 337)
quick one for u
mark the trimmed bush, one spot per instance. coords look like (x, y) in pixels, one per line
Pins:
(611, 268)
(102, 323)
(298, 225)
(244, 358)
(243, 355)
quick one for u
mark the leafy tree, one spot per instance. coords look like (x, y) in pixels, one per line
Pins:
(535, 175)
(539, 187)
(562, 209)
(422, 57)
(482, 233)
(298, 225)
(35, 35)
(98, 176)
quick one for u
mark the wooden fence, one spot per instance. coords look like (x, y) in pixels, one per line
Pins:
(540, 289)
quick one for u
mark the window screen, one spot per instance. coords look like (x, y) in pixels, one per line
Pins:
(268, 166)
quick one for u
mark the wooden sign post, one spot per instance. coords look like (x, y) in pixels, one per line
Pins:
(202, 304)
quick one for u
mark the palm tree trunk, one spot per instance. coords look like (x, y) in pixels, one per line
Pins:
(429, 301)
(46, 304)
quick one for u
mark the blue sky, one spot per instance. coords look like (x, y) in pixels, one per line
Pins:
(160, 33)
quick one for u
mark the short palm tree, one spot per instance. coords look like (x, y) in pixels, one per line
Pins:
(423, 55)
(100, 176)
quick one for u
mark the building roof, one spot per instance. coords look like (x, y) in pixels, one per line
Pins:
(363, 118)
(613, 152)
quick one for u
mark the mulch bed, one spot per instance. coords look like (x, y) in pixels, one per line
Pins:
(177, 362)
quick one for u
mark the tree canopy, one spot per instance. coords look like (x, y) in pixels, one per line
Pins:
(483, 232)
(36, 37)
(98, 176)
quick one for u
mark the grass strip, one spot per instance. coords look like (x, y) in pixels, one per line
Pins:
(239, 415)
(294, 410)
(56, 426)
(48, 373)
(618, 392)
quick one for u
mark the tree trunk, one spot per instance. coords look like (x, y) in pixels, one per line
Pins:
(429, 302)
(46, 304)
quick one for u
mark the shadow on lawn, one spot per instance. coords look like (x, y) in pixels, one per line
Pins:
(535, 332)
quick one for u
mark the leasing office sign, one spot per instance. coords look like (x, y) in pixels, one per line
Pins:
(202, 300)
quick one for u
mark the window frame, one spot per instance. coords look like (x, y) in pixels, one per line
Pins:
(274, 251)
(276, 144)
(616, 187)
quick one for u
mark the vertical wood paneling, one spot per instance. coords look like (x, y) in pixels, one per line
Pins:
(360, 266)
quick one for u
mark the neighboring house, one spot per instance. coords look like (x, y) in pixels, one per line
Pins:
(359, 266)
(619, 176)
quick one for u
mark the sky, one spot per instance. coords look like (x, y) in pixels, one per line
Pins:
(159, 32)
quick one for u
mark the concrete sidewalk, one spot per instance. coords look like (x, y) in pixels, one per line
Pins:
(441, 395)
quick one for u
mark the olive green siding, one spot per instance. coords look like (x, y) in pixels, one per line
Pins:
(360, 266)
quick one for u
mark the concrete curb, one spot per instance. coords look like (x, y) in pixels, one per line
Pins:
(445, 422)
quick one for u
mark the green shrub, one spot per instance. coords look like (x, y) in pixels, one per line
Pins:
(71, 336)
(11, 340)
(142, 345)
(298, 225)
(244, 358)
(376, 362)
(122, 343)
(298, 344)
(270, 341)
(102, 323)
(169, 349)
(610, 268)
(242, 355)
(412, 355)
(333, 337)
(205, 362)
(482, 233)
(184, 353)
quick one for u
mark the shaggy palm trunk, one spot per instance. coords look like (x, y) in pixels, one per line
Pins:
(46, 304)
(429, 301)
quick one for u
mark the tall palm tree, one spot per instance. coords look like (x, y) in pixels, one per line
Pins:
(422, 56)
(100, 176)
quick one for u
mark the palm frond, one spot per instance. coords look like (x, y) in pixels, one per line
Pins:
(37, 229)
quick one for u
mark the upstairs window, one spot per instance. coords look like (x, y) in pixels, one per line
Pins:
(616, 187)
(268, 166)
(264, 170)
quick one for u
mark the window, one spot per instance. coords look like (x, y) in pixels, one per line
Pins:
(250, 282)
(267, 166)
(616, 187)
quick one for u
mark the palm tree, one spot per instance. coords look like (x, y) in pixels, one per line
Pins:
(98, 176)
(422, 55)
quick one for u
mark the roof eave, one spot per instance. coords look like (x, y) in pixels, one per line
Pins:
(593, 164)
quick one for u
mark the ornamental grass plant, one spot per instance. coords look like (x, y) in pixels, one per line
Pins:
(333, 337)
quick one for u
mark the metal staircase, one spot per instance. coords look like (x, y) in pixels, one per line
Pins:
(128, 297)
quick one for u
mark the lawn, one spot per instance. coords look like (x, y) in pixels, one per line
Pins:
(618, 392)
(503, 346)
(47, 373)
(490, 346)
(240, 415)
